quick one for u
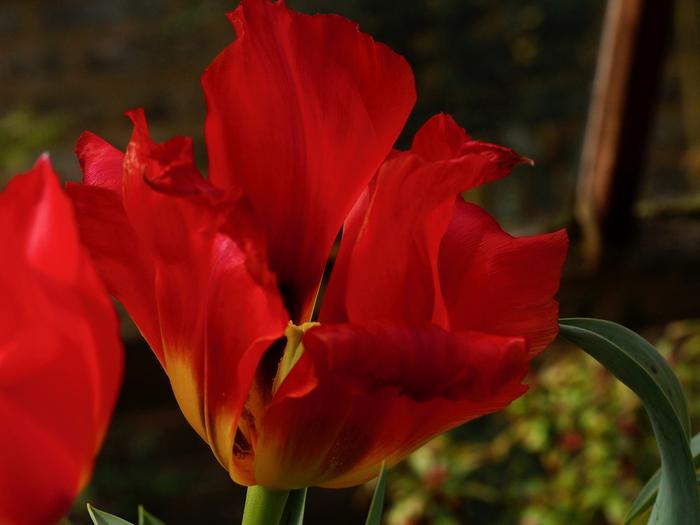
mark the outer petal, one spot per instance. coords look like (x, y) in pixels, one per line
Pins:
(60, 356)
(440, 138)
(392, 252)
(382, 390)
(100, 162)
(497, 283)
(123, 263)
(233, 349)
(118, 256)
(183, 257)
(215, 315)
(301, 112)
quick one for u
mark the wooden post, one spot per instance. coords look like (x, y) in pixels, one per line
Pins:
(630, 58)
(688, 52)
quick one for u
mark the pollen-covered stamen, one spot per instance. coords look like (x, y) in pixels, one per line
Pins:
(292, 351)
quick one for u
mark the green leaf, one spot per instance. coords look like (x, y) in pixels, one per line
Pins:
(100, 517)
(146, 518)
(648, 493)
(639, 366)
(374, 516)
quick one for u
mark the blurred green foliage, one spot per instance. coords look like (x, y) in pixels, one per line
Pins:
(576, 449)
(24, 134)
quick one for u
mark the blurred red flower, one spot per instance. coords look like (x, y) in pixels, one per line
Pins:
(431, 313)
(60, 355)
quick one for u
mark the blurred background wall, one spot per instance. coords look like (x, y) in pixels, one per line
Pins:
(514, 72)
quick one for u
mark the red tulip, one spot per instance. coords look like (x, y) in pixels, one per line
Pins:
(60, 355)
(432, 311)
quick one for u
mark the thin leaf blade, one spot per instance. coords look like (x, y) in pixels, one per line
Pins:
(647, 495)
(100, 517)
(374, 516)
(146, 518)
(639, 366)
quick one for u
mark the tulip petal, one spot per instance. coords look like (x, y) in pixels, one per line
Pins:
(392, 251)
(301, 112)
(216, 312)
(500, 284)
(118, 256)
(184, 259)
(100, 162)
(121, 260)
(440, 138)
(60, 356)
(243, 319)
(383, 389)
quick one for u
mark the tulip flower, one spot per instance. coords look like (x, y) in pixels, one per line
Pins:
(60, 355)
(431, 313)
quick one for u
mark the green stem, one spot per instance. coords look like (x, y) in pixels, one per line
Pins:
(264, 506)
(294, 509)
